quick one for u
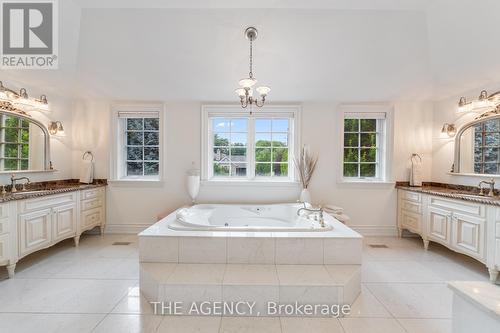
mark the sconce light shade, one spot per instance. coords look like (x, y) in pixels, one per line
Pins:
(42, 104)
(23, 102)
(56, 128)
(449, 129)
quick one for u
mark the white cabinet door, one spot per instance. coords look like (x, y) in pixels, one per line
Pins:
(34, 231)
(411, 221)
(439, 225)
(468, 235)
(4, 248)
(64, 221)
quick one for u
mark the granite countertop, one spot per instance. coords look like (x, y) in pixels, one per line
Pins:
(461, 192)
(41, 189)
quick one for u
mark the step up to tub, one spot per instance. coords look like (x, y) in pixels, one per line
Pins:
(249, 289)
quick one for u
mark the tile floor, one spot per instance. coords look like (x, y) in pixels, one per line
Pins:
(94, 288)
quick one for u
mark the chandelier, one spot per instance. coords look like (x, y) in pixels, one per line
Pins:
(245, 92)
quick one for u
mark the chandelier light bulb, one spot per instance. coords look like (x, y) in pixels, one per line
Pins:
(263, 91)
(248, 82)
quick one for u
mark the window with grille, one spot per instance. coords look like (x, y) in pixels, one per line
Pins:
(363, 143)
(256, 146)
(14, 147)
(138, 143)
(487, 147)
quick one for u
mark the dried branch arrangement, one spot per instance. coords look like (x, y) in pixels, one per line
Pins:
(305, 164)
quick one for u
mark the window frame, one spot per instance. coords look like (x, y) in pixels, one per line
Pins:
(384, 141)
(19, 143)
(118, 156)
(292, 112)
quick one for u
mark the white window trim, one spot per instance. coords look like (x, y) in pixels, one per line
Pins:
(116, 141)
(208, 111)
(386, 146)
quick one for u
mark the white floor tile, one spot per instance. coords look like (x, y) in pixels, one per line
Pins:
(407, 300)
(398, 271)
(316, 325)
(426, 325)
(189, 324)
(48, 323)
(366, 305)
(250, 325)
(371, 325)
(117, 323)
(133, 303)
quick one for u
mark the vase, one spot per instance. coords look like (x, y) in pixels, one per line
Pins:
(305, 196)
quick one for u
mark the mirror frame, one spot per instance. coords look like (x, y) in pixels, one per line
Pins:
(463, 128)
(45, 131)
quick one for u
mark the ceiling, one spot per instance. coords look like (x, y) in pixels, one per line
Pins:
(370, 50)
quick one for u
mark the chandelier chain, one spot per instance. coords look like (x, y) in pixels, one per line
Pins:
(251, 58)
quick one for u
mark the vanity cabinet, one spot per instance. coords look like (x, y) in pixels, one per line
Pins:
(462, 226)
(29, 225)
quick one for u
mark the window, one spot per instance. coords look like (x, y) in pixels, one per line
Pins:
(249, 147)
(14, 147)
(486, 147)
(364, 152)
(138, 143)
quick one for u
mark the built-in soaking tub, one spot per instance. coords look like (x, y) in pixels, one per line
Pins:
(277, 217)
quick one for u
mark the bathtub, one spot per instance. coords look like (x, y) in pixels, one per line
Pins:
(276, 217)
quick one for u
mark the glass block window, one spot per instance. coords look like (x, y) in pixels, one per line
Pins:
(271, 147)
(487, 147)
(362, 146)
(14, 146)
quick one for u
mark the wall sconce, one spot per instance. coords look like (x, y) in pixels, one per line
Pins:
(484, 102)
(56, 128)
(449, 129)
(23, 101)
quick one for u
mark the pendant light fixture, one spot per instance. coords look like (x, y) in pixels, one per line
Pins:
(245, 92)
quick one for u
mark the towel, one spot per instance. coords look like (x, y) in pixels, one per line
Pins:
(87, 172)
(416, 172)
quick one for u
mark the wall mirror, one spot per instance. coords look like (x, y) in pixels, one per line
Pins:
(24, 143)
(477, 146)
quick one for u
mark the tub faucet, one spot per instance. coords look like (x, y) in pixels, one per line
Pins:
(13, 180)
(491, 183)
(318, 214)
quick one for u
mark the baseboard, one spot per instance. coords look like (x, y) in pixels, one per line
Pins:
(125, 228)
(375, 230)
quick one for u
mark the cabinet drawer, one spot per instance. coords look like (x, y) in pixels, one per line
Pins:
(91, 203)
(411, 206)
(46, 202)
(91, 218)
(4, 248)
(92, 193)
(411, 221)
(4, 226)
(411, 196)
(4, 210)
(460, 206)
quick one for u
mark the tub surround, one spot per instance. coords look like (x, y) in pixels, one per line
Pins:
(260, 266)
(476, 307)
(52, 212)
(454, 216)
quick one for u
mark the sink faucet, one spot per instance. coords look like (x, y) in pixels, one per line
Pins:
(318, 213)
(13, 180)
(491, 183)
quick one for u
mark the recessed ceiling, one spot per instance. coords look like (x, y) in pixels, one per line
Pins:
(361, 50)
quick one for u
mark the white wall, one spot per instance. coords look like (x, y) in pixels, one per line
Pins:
(134, 206)
(443, 147)
(61, 147)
